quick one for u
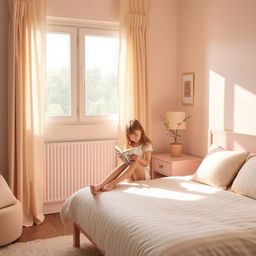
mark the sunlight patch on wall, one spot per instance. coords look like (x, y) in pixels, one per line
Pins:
(244, 110)
(216, 101)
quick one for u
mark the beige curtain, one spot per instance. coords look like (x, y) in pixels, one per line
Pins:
(26, 102)
(133, 84)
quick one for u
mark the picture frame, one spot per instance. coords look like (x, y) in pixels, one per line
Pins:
(188, 88)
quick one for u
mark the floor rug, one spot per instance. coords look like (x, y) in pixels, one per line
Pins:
(57, 246)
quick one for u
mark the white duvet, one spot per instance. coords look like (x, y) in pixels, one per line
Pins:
(169, 216)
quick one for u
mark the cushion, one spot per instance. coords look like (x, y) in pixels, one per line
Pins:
(219, 167)
(7, 198)
(244, 182)
(250, 155)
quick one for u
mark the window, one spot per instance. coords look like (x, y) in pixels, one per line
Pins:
(87, 93)
(99, 57)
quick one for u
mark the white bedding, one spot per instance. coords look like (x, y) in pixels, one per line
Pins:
(169, 216)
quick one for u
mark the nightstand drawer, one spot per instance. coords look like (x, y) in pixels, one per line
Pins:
(185, 168)
(166, 165)
(162, 167)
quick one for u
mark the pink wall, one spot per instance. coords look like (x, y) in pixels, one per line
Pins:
(217, 41)
(3, 86)
(107, 10)
(162, 76)
(162, 63)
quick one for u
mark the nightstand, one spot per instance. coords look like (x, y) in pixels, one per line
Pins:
(167, 165)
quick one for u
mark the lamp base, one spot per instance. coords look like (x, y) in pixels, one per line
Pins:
(175, 149)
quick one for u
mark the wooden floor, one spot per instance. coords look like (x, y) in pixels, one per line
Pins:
(51, 227)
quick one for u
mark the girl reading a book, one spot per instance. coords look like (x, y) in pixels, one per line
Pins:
(138, 168)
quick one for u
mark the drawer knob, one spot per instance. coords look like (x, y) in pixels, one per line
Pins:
(161, 166)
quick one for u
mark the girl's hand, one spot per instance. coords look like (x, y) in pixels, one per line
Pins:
(133, 157)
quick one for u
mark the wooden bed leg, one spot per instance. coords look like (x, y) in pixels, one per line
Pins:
(76, 236)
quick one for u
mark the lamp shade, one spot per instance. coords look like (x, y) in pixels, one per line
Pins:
(174, 118)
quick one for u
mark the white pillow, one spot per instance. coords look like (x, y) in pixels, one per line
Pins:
(219, 167)
(7, 198)
(245, 181)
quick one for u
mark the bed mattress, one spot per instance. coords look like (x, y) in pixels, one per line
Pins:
(169, 216)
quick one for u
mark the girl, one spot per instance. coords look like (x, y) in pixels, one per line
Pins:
(139, 168)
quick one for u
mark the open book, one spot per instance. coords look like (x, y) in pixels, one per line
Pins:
(124, 154)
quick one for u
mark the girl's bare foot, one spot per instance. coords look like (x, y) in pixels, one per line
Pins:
(95, 189)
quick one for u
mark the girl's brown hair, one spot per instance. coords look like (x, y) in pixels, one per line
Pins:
(135, 125)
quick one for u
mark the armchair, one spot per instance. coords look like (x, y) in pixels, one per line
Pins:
(10, 215)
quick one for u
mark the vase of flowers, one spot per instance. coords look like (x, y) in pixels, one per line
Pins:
(172, 126)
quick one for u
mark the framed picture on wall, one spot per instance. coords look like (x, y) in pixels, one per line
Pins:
(188, 88)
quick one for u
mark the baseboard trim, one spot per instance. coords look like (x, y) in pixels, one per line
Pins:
(54, 207)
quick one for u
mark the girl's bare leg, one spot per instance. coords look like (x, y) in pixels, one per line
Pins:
(95, 188)
(130, 179)
(134, 169)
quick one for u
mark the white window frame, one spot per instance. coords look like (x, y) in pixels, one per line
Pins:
(82, 33)
(73, 65)
(77, 28)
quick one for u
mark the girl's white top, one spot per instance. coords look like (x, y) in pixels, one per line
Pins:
(140, 150)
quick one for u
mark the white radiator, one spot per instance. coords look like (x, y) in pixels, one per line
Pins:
(70, 166)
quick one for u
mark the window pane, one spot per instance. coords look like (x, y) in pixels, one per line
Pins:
(101, 63)
(58, 75)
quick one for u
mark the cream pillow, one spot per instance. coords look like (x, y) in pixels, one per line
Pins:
(7, 198)
(219, 167)
(245, 181)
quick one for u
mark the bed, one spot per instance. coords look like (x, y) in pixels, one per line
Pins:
(171, 216)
